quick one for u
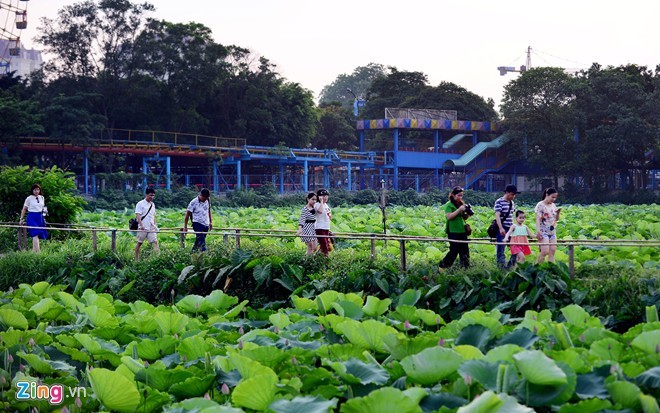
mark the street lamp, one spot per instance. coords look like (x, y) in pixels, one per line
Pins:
(356, 103)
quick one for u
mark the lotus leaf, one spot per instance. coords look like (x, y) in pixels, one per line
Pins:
(375, 306)
(256, 392)
(115, 391)
(13, 318)
(586, 406)
(368, 334)
(385, 400)
(625, 393)
(355, 371)
(431, 365)
(304, 404)
(192, 386)
(170, 323)
(538, 368)
(648, 341)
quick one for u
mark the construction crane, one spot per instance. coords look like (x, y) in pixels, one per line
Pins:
(528, 65)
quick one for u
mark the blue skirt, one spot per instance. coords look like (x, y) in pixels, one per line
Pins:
(36, 219)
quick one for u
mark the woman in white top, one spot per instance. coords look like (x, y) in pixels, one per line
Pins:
(323, 218)
(35, 206)
(547, 215)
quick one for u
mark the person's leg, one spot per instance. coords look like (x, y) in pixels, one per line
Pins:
(310, 248)
(464, 252)
(200, 236)
(449, 259)
(543, 250)
(500, 251)
(137, 251)
(35, 244)
(323, 240)
(552, 248)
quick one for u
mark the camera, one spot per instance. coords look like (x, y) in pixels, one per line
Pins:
(44, 212)
(468, 210)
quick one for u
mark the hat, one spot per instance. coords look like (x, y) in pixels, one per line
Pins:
(322, 192)
(511, 188)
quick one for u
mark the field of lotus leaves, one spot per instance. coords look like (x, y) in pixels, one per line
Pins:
(336, 352)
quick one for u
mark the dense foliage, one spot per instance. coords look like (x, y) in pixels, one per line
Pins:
(346, 352)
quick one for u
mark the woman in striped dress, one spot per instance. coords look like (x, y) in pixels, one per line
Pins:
(306, 224)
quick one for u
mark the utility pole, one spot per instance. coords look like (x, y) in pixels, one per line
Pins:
(528, 65)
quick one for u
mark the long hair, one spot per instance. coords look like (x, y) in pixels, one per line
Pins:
(452, 196)
(548, 191)
(35, 186)
(310, 195)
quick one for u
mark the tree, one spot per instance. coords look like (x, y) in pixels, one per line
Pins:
(336, 128)
(538, 108)
(619, 108)
(58, 187)
(359, 82)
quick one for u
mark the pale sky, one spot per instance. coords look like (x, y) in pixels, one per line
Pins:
(460, 41)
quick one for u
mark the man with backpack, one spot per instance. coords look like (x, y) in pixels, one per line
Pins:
(504, 210)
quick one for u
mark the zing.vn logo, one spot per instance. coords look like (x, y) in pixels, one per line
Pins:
(29, 390)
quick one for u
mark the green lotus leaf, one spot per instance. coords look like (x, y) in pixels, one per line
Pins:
(503, 353)
(348, 309)
(409, 297)
(625, 393)
(521, 337)
(40, 288)
(368, 334)
(401, 346)
(468, 352)
(153, 400)
(430, 318)
(73, 352)
(591, 385)
(306, 404)
(648, 341)
(100, 317)
(156, 349)
(303, 304)
(474, 335)
(340, 351)
(193, 347)
(96, 346)
(159, 378)
(113, 390)
(236, 310)
(218, 301)
(385, 400)
(192, 386)
(47, 308)
(545, 394)
(131, 364)
(13, 337)
(489, 320)
(431, 365)
(269, 356)
(356, 371)
(200, 405)
(170, 323)
(141, 323)
(480, 371)
(607, 349)
(256, 392)
(13, 318)
(538, 368)
(649, 403)
(650, 378)
(586, 406)
(279, 320)
(69, 301)
(405, 313)
(578, 317)
(489, 402)
(325, 299)
(249, 368)
(141, 306)
(375, 306)
(190, 304)
(104, 301)
(45, 366)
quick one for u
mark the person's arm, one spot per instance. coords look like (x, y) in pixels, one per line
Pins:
(558, 211)
(185, 220)
(530, 233)
(321, 207)
(508, 234)
(138, 217)
(498, 219)
(301, 222)
(23, 211)
(210, 218)
(454, 214)
(537, 214)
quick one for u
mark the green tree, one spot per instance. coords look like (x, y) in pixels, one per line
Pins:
(358, 82)
(619, 108)
(336, 128)
(70, 119)
(58, 187)
(539, 111)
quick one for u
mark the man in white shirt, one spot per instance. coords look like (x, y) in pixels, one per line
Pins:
(199, 213)
(145, 214)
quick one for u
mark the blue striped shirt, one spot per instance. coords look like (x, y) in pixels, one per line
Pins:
(502, 205)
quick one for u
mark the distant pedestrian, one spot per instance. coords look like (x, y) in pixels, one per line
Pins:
(199, 213)
(306, 224)
(456, 212)
(518, 235)
(547, 215)
(323, 218)
(35, 206)
(504, 207)
(145, 214)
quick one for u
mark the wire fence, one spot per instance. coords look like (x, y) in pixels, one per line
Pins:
(236, 234)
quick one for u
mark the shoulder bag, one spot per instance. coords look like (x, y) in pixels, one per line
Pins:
(493, 229)
(133, 223)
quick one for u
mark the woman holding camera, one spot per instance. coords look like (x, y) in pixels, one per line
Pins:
(35, 206)
(456, 212)
(547, 215)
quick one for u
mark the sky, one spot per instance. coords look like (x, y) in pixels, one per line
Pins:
(459, 41)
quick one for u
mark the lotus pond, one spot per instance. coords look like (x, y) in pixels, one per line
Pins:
(335, 352)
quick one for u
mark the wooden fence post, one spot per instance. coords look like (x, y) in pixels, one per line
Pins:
(94, 240)
(20, 238)
(373, 246)
(402, 247)
(238, 238)
(571, 260)
(225, 237)
(113, 243)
